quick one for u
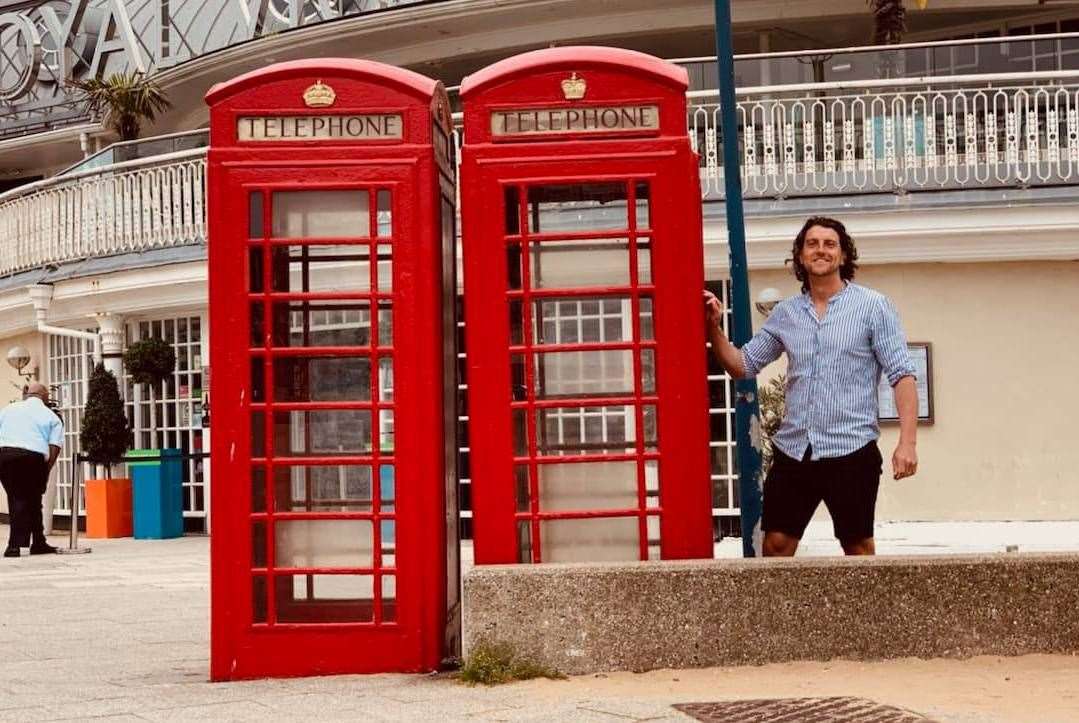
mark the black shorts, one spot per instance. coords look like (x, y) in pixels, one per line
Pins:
(847, 485)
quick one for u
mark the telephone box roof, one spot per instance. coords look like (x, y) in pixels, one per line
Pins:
(363, 70)
(576, 58)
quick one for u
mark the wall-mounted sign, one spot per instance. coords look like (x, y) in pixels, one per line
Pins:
(921, 353)
(582, 119)
(376, 127)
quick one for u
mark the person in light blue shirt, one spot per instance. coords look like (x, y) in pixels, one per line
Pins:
(31, 436)
(839, 338)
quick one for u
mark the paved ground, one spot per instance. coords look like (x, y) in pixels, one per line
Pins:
(121, 634)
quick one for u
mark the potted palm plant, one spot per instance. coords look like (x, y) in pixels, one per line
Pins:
(104, 438)
(124, 101)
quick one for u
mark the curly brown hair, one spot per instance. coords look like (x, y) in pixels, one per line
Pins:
(846, 243)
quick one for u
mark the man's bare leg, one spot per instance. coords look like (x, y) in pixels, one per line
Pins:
(778, 544)
(859, 547)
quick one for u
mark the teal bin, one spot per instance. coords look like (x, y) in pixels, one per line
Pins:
(157, 494)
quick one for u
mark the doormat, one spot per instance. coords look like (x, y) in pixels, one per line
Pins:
(804, 710)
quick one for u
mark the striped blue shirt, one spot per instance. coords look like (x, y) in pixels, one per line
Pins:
(833, 367)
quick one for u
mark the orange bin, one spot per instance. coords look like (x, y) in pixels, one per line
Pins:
(108, 508)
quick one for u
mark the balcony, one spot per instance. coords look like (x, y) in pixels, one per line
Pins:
(895, 135)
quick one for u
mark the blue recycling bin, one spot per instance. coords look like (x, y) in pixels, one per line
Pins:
(157, 494)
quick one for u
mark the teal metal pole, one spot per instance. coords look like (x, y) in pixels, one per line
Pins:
(746, 408)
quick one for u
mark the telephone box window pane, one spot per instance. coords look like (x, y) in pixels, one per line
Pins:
(588, 486)
(254, 215)
(385, 214)
(258, 379)
(385, 431)
(388, 533)
(577, 207)
(258, 488)
(651, 483)
(258, 599)
(324, 598)
(387, 485)
(582, 319)
(315, 268)
(322, 432)
(615, 539)
(644, 261)
(579, 263)
(322, 488)
(323, 543)
(258, 434)
(513, 266)
(389, 598)
(606, 372)
(644, 215)
(322, 379)
(520, 432)
(647, 327)
(563, 431)
(513, 210)
(385, 267)
(385, 324)
(255, 269)
(385, 378)
(258, 324)
(650, 427)
(258, 544)
(321, 214)
(518, 388)
(517, 335)
(524, 493)
(648, 371)
(524, 542)
(321, 323)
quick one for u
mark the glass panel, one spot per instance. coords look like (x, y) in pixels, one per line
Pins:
(385, 214)
(320, 214)
(516, 323)
(258, 379)
(258, 488)
(323, 543)
(648, 371)
(258, 544)
(524, 493)
(255, 269)
(520, 432)
(644, 215)
(388, 534)
(650, 427)
(518, 387)
(385, 267)
(512, 210)
(322, 488)
(321, 323)
(385, 378)
(254, 215)
(593, 540)
(322, 379)
(389, 598)
(720, 461)
(322, 432)
(582, 319)
(647, 326)
(318, 268)
(324, 598)
(258, 434)
(258, 599)
(513, 266)
(577, 207)
(606, 372)
(573, 264)
(524, 542)
(258, 324)
(385, 431)
(387, 488)
(586, 430)
(385, 324)
(588, 486)
(644, 261)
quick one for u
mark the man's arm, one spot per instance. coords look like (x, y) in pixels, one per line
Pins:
(54, 452)
(725, 353)
(905, 457)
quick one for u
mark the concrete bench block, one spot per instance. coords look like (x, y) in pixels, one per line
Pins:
(584, 618)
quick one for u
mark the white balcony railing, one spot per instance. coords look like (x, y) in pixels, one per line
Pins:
(895, 136)
(1018, 129)
(134, 206)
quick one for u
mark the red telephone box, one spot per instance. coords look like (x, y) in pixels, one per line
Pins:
(331, 255)
(584, 319)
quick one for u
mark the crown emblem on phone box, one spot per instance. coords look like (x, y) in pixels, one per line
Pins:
(319, 95)
(574, 88)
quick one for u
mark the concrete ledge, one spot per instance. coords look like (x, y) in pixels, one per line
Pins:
(642, 616)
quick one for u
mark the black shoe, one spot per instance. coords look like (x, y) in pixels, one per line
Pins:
(12, 552)
(43, 549)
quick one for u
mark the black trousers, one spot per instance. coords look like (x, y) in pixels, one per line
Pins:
(24, 475)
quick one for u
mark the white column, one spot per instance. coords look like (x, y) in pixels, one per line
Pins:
(111, 329)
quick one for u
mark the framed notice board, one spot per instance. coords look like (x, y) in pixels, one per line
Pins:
(921, 353)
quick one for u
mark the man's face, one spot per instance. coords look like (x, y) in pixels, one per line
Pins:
(822, 254)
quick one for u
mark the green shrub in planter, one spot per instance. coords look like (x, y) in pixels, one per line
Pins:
(105, 435)
(150, 361)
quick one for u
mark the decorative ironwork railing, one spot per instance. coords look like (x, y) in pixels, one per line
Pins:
(135, 206)
(900, 135)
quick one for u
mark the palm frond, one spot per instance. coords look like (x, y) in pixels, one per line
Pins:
(124, 101)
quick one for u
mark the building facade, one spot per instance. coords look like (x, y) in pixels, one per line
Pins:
(953, 159)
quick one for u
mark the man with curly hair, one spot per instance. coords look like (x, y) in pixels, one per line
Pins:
(839, 337)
